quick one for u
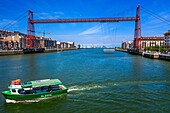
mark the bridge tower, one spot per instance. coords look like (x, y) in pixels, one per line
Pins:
(137, 34)
(30, 39)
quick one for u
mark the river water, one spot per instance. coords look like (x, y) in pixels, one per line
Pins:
(97, 82)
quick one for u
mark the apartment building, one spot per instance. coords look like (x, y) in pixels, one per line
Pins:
(167, 40)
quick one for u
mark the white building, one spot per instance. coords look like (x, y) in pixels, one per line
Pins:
(151, 41)
(167, 40)
(127, 45)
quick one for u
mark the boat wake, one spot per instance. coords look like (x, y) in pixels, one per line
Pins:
(78, 88)
(90, 87)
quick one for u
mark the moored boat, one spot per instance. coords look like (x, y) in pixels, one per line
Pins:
(109, 51)
(34, 90)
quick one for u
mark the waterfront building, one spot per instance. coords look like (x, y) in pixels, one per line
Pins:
(17, 40)
(3, 44)
(66, 45)
(4, 34)
(78, 46)
(127, 45)
(81, 46)
(70, 44)
(54, 43)
(63, 44)
(38, 41)
(58, 45)
(151, 41)
(167, 40)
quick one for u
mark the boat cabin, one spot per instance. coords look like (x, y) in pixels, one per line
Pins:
(37, 86)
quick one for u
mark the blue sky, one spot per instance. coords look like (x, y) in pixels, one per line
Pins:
(109, 34)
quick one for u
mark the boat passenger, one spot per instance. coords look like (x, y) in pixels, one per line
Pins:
(42, 88)
(35, 91)
(51, 89)
(23, 92)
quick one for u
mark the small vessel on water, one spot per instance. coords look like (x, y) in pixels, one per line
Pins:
(108, 51)
(34, 90)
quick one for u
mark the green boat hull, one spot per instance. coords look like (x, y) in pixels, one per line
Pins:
(22, 97)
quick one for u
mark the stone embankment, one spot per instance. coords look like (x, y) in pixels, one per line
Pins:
(11, 52)
(27, 51)
(145, 54)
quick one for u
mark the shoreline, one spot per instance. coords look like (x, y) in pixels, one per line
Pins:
(20, 52)
(145, 54)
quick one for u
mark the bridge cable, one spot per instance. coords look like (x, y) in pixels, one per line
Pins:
(14, 20)
(43, 15)
(125, 11)
(165, 21)
(155, 14)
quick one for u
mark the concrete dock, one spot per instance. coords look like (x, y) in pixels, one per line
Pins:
(151, 55)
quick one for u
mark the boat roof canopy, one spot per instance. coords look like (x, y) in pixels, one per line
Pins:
(36, 83)
(45, 82)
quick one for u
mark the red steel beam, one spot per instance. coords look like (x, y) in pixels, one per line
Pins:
(85, 20)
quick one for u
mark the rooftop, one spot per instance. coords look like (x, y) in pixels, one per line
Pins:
(155, 37)
(168, 33)
(44, 82)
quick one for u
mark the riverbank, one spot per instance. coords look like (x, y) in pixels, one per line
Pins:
(96, 82)
(145, 54)
(17, 52)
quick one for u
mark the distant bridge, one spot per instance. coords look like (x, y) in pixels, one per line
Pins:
(31, 42)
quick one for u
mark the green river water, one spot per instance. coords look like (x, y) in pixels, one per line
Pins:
(97, 82)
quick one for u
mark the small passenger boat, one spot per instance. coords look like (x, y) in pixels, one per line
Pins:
(34, 90)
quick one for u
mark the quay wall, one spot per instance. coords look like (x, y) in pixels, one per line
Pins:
(148, 55)
(55, 49)
(164, 56)
(27, 51)
(11, 52)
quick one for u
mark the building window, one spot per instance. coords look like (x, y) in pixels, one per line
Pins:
(143, 44)
(161, 43)
(152, 44)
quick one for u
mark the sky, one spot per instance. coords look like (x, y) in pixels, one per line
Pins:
(87, 34)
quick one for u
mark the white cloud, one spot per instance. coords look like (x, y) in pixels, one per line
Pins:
(54, 15)
(59, 13)
(93, 30)
(99, 28)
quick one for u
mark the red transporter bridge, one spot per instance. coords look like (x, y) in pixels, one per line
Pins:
(31, 42)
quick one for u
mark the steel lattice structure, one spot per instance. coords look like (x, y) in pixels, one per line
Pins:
(31, 42)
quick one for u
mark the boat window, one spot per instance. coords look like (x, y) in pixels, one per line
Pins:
(27, 83)
(37, 88)
(45, 87)
(13, 90)
(55, 86)
(27, 92)
(42, 88)
(20, 90)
